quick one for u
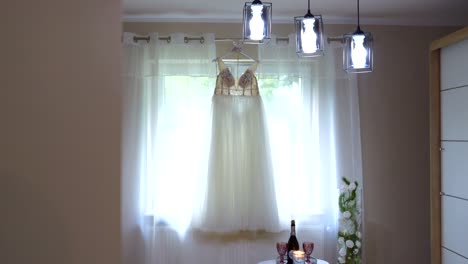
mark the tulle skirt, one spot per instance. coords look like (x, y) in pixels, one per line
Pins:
(240, 192)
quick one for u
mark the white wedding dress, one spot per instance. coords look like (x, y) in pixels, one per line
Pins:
(240, 194)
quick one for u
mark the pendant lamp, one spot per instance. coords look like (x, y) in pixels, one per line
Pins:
(309, 35)
(256, 22)
(358, 50)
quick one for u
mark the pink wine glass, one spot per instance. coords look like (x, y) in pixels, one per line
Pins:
(282, 248)
(308, 249)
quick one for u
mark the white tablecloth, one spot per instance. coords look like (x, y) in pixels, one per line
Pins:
(319, 261)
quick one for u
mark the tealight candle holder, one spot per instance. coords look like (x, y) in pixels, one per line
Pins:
(298, 257)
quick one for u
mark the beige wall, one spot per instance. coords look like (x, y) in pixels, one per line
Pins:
(60, 132)
(394, 105)
(395, 134)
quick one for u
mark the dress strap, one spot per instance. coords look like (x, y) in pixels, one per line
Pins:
(253, 67)
(221, 65)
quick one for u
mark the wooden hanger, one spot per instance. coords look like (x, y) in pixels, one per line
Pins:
(237, 49)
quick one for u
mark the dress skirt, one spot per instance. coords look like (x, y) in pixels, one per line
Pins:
(240, 190)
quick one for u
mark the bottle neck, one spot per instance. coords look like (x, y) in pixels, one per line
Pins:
(293, 230)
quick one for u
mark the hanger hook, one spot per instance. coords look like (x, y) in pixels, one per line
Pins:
(237, 47)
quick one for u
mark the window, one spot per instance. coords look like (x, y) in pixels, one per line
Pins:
(311, 114)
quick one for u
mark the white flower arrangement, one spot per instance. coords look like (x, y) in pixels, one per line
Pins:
(349, 235)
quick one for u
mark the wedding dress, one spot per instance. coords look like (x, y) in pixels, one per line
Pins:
(240, 194)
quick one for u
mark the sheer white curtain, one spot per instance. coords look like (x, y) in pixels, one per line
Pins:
(312, 113)
(313, 117)
(168, 87)
(167, 99)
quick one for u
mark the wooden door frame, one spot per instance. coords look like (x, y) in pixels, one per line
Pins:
(435, 137)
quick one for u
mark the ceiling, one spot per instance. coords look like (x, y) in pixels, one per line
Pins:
(378, 12)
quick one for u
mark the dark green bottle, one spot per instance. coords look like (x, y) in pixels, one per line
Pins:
(293, 244)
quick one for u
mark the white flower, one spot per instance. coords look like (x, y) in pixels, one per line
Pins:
(341, 240)
(341, 260)
(343, 188)
(358, 234)
(352, 186)
(347, 214)
(346, 195)
(349, 243)
(356, 251)
(358, 244)
(342, 252)
(347, 226)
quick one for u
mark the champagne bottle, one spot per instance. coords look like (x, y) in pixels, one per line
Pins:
(293, 244)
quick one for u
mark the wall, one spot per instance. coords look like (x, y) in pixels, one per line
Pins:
(394, 130)
(60, 132)
(394, 105)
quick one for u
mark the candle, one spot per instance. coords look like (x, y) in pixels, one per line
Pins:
(298, 256)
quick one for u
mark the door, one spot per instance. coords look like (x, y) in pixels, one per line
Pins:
(449, 149)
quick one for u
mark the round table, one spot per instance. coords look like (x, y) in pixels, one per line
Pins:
(319, 261)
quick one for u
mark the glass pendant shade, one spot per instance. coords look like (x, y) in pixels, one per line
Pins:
(256, 22)
(358, 52)
(309, 36)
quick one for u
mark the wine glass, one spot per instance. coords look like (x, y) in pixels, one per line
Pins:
(281, 247)
(308, 248)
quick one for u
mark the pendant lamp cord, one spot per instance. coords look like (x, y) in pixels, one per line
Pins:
(359, 26)
(308, 15)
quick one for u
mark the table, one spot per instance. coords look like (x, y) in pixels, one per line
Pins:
(319, 261)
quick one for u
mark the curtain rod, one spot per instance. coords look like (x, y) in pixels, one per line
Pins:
(187, 39)
(336, 39)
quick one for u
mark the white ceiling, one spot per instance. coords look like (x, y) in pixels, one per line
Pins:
(379, 12)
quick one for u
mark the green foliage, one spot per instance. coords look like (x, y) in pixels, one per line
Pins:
(346, 181)
(268, 85)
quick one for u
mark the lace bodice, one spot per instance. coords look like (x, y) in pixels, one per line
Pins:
(226, 83)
